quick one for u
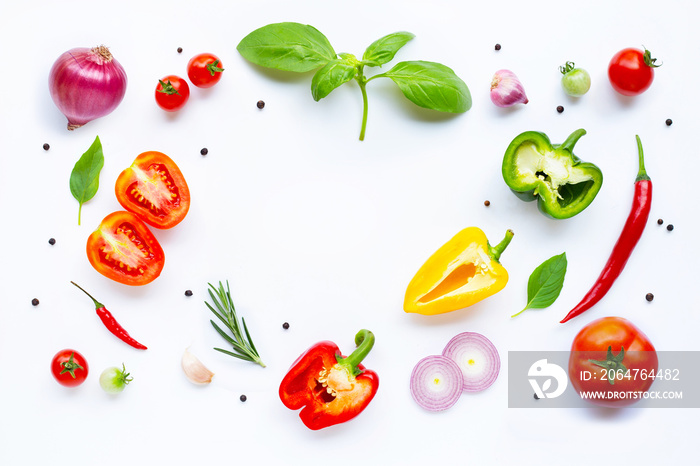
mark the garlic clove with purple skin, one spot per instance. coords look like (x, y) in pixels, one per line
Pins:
(506, 89)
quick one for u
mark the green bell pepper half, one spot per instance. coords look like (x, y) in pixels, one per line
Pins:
(563, 185)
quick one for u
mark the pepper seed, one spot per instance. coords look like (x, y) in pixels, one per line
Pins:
(261, 104)
(560, 109)
(650, 297)
(285, 325)
(498, 47)
(243, 398)
(669, 227)
(487, 203)
(52, 241)
(188, 293)
(660, 221)
(35, 302)
(46, 146)
(669, 122)
(179, 50)
(204, 151)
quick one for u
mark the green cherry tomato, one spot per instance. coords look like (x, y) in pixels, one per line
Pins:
(113, 380)
(576, 81)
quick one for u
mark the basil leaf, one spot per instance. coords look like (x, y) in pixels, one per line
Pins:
(288, 47)
(431, 85)
(545, 283)
(334, 74)
(85, 177)
(382, 50)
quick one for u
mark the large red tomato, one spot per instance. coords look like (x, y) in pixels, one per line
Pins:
(631, 71)
(613, 357)
(154, 188)
(124, 249)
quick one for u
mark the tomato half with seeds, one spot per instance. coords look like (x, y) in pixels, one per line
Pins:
(154, 188)
(124, 249)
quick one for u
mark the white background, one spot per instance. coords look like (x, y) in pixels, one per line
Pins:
(315, 228)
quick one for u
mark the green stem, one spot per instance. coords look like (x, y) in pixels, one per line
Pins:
(642, 174)
(97, 303)
(496, 251)
(572, 140)
(364, 340)
(363, 82)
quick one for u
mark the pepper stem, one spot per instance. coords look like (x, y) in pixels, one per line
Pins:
(572, 140)
(642, 174)
(97, 303)
(364, 340)
(496, 251)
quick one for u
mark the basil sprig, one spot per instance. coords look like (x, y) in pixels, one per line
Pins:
(85, 177)
(545, 283)
(300, 48)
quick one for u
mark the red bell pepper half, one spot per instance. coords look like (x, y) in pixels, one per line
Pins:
(331, 389)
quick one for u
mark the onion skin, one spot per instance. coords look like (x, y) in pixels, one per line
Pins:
(86, 84)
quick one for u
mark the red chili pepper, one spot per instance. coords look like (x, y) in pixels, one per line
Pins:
(330, 388)
(111, 323)
(636, 221)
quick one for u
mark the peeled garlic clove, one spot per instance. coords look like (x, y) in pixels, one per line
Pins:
(195, 371)
(506, 89)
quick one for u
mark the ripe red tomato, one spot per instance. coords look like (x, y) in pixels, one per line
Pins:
(124, 249)
(631, 71)
(154, 189)
(597, 356)
(69, 368)
(204, 70)
(172, 93)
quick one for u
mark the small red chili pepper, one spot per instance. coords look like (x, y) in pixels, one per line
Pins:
(632, 231)
(331, 389)
(111, 323)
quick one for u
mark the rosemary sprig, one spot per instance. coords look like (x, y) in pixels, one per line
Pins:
(243, 348)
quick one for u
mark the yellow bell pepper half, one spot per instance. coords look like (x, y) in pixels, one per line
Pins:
(462, 272)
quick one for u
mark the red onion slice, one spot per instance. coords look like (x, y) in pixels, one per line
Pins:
(477, 359)
(436, 383)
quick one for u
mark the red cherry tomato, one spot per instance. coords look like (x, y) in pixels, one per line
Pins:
(613, 357)
(154, 189)
(631, 71)
(204, 70)
(69, 368)
(172, 93)
(124, 249)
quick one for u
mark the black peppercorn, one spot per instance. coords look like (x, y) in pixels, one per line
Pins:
(261, 104)
(650, 297)
(669, 227)
(46, 146)
(660, 221)
(669, 122)
(243, 398)
(35, 302)
(204, 151)
(498, 47)
(52, 241)
(285, 325)
(188, 293)
(179, 50)
(560, 109)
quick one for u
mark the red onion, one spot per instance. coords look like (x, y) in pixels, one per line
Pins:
(476, 358)
(436, 383)
(86, 84)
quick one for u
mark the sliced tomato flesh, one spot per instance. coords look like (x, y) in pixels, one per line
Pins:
(123, 249)
(154, 189)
